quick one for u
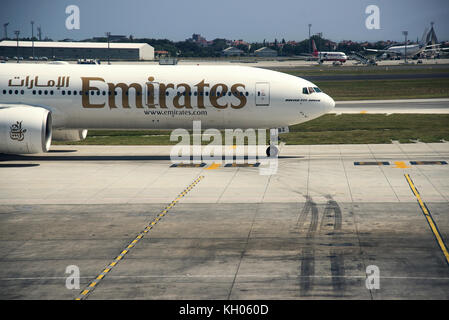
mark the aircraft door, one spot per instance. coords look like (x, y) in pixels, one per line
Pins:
(262, 94)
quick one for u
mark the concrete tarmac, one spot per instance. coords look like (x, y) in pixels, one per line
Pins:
(312, 230)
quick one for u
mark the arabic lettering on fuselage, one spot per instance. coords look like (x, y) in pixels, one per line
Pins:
(32, 82)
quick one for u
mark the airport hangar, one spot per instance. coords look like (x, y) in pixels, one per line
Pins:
(77, 50)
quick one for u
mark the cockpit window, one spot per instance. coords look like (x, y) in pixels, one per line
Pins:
(311, 90)
(305, 91)
(317, 89)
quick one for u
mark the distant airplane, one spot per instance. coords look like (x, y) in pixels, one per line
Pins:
(323, 56)
(411, 49)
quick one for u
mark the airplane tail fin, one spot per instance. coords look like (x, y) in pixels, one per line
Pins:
(315, 50)
(423, 40)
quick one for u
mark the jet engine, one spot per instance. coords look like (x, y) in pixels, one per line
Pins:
(24, 129)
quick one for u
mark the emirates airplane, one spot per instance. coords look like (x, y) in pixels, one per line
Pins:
(38, 101)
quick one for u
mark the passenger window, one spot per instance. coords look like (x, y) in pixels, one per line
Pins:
(63, 92)
(69, 92)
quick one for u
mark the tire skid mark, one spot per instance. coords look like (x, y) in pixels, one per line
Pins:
(332, 217)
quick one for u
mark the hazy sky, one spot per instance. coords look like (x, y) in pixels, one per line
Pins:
(231, 19)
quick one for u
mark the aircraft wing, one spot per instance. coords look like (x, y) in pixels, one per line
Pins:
(380, 51)
(400, 106)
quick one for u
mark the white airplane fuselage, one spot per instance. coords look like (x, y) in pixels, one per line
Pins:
(410, 50)
(331, 56)
(161, 97)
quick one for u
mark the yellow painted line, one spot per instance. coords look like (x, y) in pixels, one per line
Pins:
(429, 219)
(363, 112)
(93, 284)
(401, 165)
(213, 166)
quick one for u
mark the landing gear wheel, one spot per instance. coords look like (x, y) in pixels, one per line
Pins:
(272, 151)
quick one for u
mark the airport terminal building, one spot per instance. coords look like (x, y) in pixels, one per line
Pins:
(77, 50)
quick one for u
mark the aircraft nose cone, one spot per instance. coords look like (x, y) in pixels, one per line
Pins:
(329, 103)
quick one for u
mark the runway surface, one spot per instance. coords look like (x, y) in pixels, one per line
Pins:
(427, 106)
(138, 227)
(386, 76)
(277, 62)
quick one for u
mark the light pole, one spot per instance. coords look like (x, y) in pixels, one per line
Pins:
(17, 32)
(310, 25)
(108, 34)
(5, 27)
(32, 36)
(405, 33)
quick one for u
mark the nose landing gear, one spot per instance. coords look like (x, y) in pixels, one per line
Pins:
(273, 151)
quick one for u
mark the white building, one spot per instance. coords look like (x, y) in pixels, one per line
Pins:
(78, 50)
(231, 51)
(265, 52)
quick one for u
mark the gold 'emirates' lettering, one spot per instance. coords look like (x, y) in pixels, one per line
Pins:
(181, 100)
(86, 87)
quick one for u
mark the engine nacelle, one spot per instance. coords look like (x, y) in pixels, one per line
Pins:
(69, 135)
(24, 129)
